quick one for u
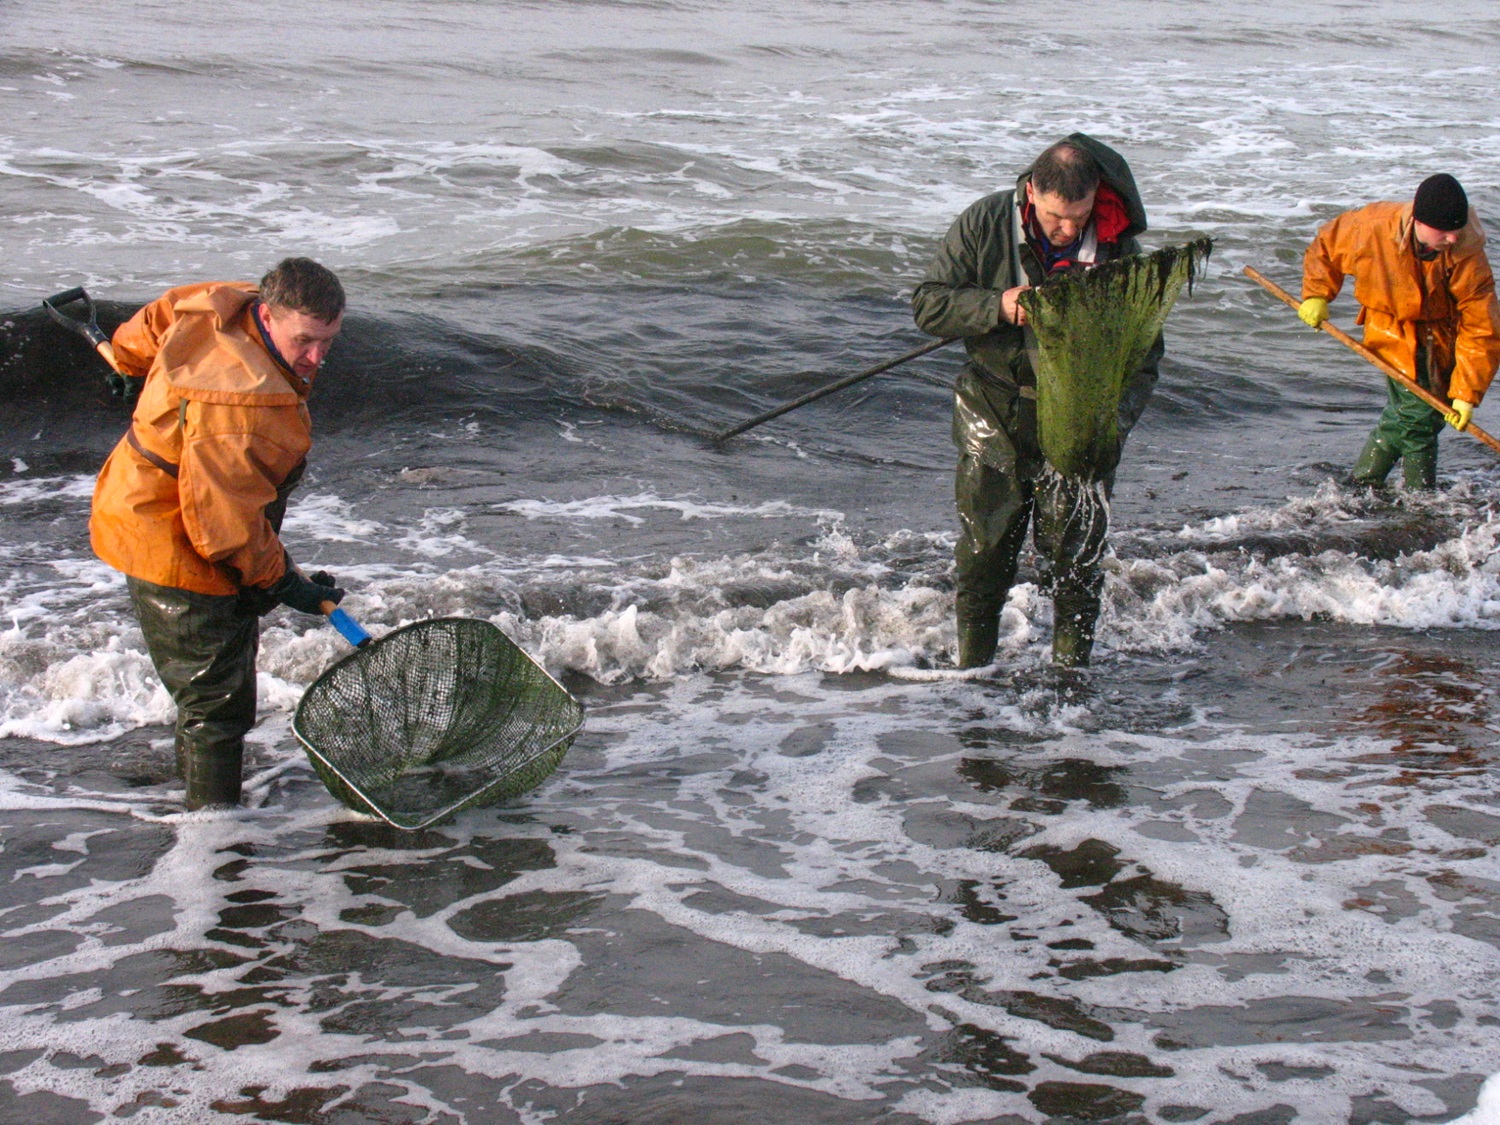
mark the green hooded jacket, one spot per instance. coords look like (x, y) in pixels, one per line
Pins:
(983, 254)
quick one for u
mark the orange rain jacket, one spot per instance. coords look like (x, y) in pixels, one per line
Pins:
(1448, 302)
(218, 436)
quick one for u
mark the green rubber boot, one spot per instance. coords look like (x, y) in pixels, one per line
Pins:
(1072, 647)
(213, 777)
(1419, 470)
(977, 642)
(1073, 621)
(1376, 461)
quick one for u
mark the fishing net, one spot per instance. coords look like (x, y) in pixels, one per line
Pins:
(433, 718)
(1092, 330)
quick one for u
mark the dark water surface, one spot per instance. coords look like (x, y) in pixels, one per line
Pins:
(792, 869)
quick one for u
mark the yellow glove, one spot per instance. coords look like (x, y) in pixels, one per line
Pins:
(1461, 414)
(1313, 311)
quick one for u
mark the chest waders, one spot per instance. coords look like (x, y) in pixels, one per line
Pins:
(203, 647)
(1407, 431)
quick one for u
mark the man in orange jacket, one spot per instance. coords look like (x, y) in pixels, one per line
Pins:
(189, 504)
(1427, 303)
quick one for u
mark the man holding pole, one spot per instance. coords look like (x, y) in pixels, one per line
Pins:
(189, 504)
(1427, 303)
(1075, 207)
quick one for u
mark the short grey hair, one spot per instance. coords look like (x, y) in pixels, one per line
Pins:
(1065, 170)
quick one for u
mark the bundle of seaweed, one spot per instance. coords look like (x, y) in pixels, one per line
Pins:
(1091, 330)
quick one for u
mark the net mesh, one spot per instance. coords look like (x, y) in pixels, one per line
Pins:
(433, 718)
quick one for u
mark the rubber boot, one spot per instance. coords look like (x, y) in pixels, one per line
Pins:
(1073, 621)
(1419, 470)
(977, 641)
(1072, 645)
(213, 777)
(1375, 463)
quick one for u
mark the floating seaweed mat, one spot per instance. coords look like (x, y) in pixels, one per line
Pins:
(432, 718)
(1091, 330)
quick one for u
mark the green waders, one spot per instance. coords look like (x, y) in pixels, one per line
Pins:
(993, 510)
(204, 648)
(1407, 432)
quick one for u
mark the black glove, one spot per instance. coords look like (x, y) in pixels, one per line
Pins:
(307, 595)
(126, 387)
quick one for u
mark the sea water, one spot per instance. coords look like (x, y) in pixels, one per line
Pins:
(795, 868)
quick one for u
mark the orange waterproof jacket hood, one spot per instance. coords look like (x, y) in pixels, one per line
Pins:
(218, 436)
(1449, 302)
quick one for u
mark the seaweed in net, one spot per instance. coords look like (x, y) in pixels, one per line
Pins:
(1089, 331)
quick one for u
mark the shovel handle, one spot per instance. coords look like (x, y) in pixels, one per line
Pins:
(54, 304)
(107, 353)
(87, 328)
(1365, 353)
(348, 628)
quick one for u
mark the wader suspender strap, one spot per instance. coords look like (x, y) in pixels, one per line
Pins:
(1017, 210)
(1018, 243)
(1425, 374)
(160, 462)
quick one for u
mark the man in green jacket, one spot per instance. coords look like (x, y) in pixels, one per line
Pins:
(1075, 207)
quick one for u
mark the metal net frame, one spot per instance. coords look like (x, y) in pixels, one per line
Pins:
(433, 718)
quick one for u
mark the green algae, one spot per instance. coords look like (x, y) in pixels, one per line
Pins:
(1089, 331)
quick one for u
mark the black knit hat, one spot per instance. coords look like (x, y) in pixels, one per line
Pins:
(1441, 203)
